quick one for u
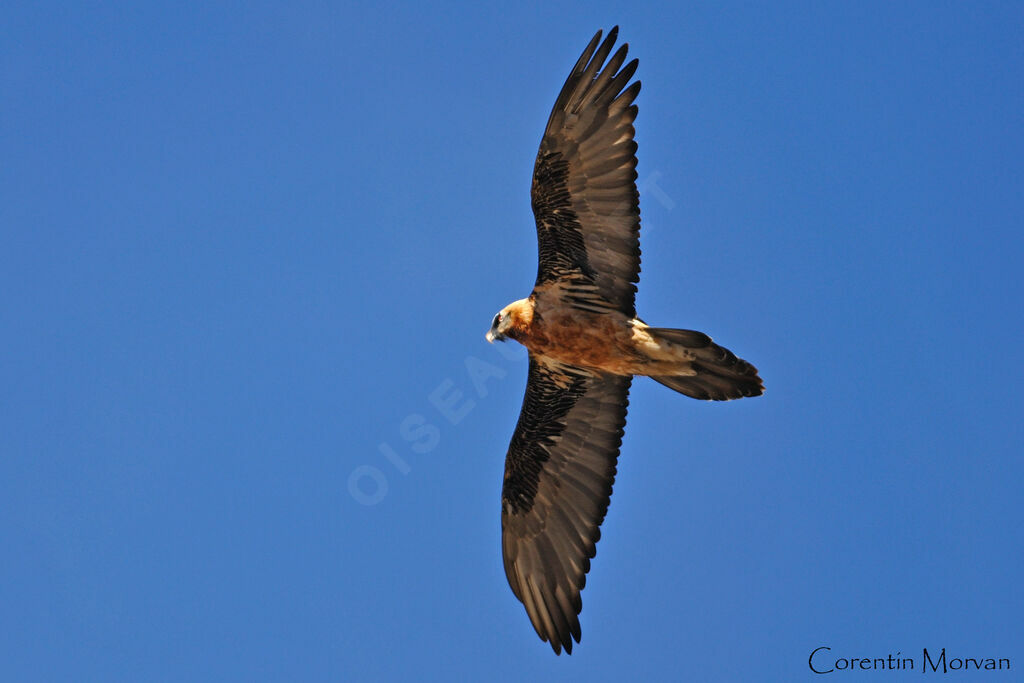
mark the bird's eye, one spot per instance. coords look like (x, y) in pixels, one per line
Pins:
(497, 319)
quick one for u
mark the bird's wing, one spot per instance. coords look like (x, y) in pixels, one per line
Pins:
(584, 183)
(558, 481)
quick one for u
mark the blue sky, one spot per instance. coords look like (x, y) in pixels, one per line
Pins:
(250, 252)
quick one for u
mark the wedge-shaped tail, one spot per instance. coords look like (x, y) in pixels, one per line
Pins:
(715, 373)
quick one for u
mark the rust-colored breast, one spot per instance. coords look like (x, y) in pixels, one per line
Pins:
(597, 341)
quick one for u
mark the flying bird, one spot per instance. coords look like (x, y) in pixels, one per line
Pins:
(586, 343)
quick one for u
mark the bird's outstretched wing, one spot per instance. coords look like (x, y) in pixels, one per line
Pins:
(558, 481)
(584, 182)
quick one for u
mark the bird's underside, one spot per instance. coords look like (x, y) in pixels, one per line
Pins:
(586, 344)
(614, 343)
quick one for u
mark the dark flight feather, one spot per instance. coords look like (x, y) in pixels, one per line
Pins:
(584, 192)
(558, 482)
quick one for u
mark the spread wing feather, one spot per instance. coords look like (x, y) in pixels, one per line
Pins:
(558, 482)
(584, 180)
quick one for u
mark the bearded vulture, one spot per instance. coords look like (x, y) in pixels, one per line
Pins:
(586, 343)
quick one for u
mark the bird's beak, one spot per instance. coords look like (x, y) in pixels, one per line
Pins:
(489, 336)
(492, 337)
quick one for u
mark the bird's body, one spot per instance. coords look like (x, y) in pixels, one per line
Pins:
(609, 342)
(550, 329)
(586, 344)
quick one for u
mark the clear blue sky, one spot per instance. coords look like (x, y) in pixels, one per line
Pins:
(246, 247)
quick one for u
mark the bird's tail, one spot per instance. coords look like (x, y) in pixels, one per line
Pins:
(714, 374)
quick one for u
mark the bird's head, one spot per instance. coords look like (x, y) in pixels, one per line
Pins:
(499, 326)
(510, 320)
